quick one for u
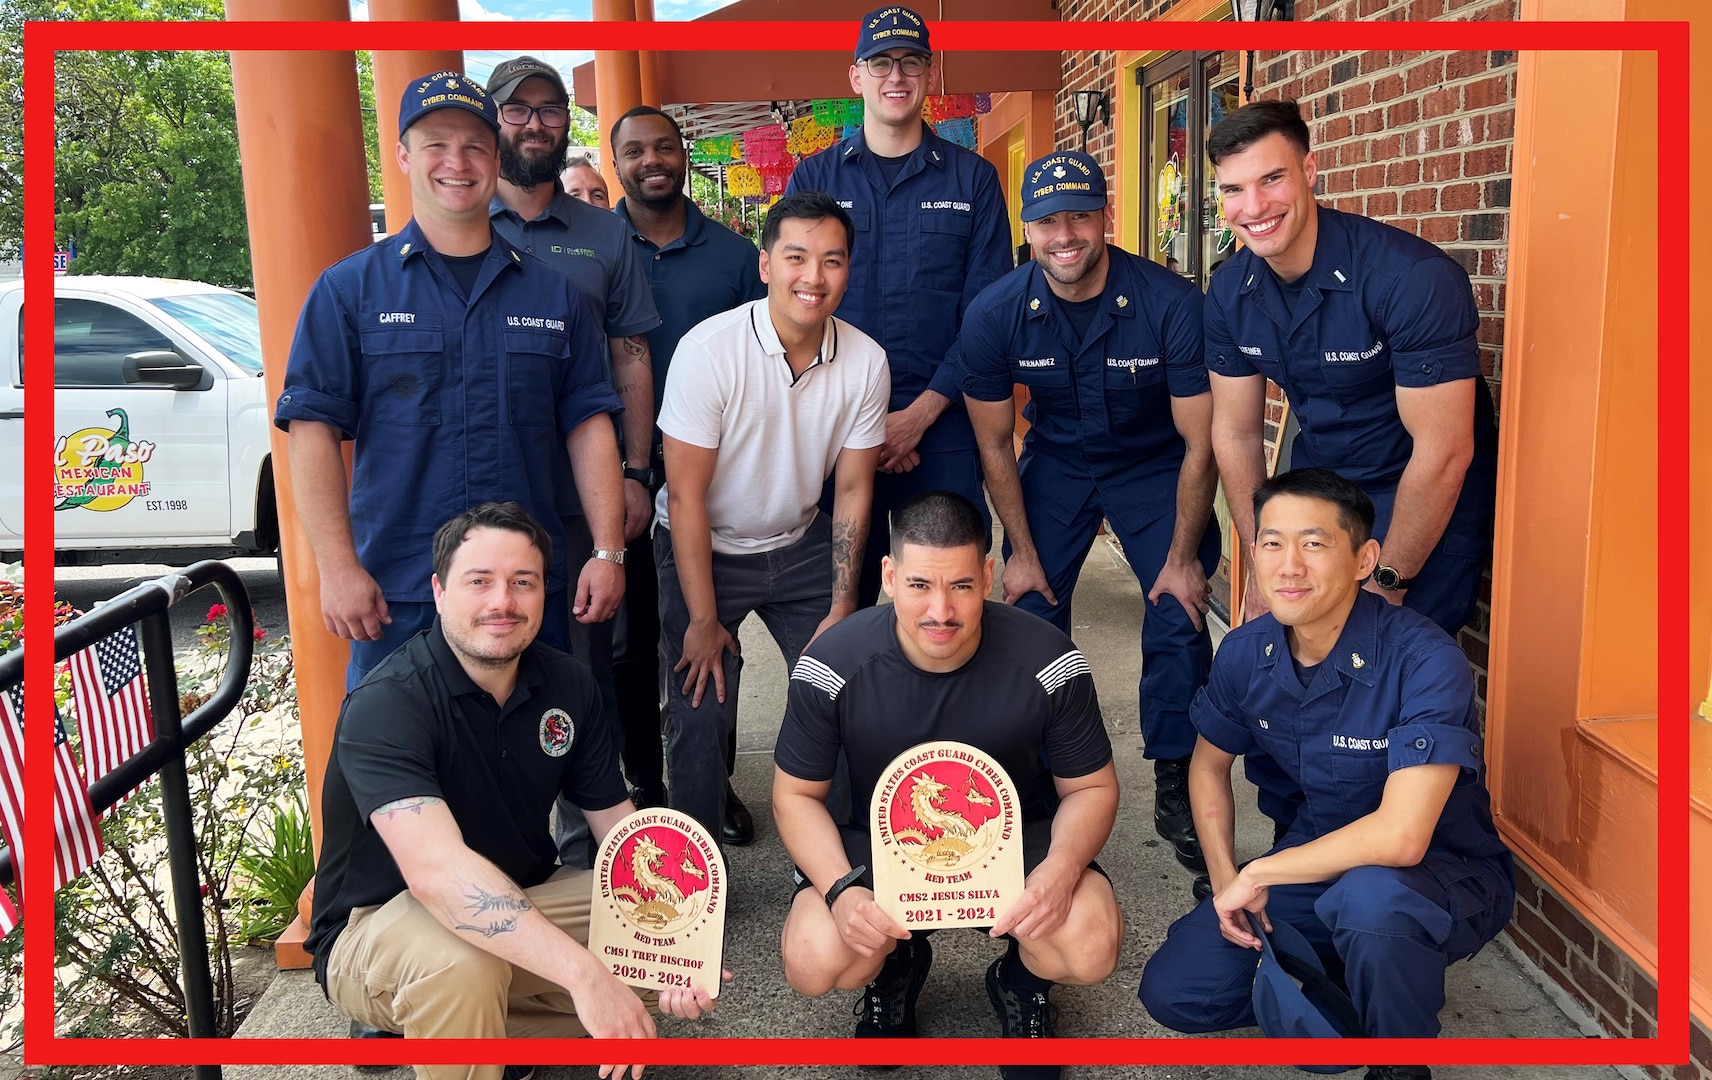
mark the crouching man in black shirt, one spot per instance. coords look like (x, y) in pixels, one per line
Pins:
(440, 911)
(944, 663)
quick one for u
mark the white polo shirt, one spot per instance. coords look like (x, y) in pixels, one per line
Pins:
(730, 389)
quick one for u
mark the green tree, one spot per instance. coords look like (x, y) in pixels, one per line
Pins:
(146, 156)
(13, 14)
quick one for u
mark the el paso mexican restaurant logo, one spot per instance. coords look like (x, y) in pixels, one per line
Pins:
(659, 902)
(100, 469)
(947, 837)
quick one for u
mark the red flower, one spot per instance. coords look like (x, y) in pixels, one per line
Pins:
(216, 613)
(261, 635)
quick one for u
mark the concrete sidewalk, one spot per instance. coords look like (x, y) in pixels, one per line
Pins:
(1491, 996)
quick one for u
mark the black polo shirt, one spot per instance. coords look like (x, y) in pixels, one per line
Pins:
(419, 726)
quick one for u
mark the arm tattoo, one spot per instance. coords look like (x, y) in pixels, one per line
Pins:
(849, 538)
(636, 345)
(482, 902)
(412, 805)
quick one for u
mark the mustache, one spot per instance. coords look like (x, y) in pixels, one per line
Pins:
(503, 616)
(932, 624)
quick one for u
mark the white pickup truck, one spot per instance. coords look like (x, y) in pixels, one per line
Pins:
(160, 423)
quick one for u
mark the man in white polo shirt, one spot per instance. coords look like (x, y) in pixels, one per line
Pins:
(762, 404)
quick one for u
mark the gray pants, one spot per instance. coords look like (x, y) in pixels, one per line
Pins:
(790, 588)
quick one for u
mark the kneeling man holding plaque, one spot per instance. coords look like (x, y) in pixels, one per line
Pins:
(943, 665)
(440, 910)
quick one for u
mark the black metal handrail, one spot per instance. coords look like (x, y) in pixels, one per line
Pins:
(149, 604)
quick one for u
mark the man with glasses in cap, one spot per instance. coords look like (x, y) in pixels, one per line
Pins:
(1109, 346)
(592, 248)
(931, 233)
(1393, 869)
(463, 368)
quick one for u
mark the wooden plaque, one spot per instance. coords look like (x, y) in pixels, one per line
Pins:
(658, 915)
(947, 833)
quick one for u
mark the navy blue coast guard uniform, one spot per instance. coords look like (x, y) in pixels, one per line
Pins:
(1393, 693)
(1103, 444)
(1378, 309)
(926, 245)
(452, 401)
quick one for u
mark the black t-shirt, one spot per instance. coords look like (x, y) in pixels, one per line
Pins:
(419, 726)
(890, 167)
(1026, 697)
(465, 269)
(1081, 313)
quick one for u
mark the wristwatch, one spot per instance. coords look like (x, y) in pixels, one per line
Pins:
(648, 478)
(843, 883)
(1387, 578)
(609, 556)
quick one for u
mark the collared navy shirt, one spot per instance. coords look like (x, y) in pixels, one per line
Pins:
(1100, 406)
(1394, 692)
(451, 402)
(707, 270)
(1380, 308)
(593, 249)
(925, 248)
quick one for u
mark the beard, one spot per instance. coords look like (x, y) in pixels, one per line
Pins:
(1070, 275)
(527, 169)
(665, 200)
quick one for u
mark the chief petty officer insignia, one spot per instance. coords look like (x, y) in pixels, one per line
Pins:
(557, 731)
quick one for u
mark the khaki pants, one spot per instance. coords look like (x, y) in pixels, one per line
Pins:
(394, 967)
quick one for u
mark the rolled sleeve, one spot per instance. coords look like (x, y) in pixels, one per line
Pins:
(1185, 364)
(1438, 720)
(584, 390)
(1215, 712)
(1435, 744)
(1430, 323)
(323, 376)
(986, 368)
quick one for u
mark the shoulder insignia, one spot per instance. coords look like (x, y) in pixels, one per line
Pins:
(1054, 675)
(809, 670)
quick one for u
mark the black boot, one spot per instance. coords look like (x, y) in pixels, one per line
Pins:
(738, 828)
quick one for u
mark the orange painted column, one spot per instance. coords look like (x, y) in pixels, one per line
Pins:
(618, 84)
(393, 70)
(648, 63)
(318, 121)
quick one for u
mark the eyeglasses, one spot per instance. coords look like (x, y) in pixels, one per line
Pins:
(518, 114)
(912, 65)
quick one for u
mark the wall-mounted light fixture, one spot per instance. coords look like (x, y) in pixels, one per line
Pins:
(1091, 105)
(1260, 11)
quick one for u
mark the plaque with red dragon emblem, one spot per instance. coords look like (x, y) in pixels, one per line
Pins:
(658, 916)
(947, 831)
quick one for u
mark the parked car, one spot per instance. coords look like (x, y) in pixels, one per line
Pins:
(161, 447)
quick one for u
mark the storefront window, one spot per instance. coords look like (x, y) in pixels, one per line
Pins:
(1186, 94)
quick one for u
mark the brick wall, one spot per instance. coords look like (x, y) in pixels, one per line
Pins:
(1420, 140)
(1597, 974)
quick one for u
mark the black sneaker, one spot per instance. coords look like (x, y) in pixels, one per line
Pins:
(518, 1072)
(1022, 1016)
(1399, 1072)
(886, 1009)
(1202, 888)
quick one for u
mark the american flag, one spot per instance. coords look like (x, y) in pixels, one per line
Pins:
(12, 776)
(8, 914)
(112, 707)
(77, 841)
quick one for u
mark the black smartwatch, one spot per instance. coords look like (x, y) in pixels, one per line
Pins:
(648, 478)
(1387, 578)
(843, 883)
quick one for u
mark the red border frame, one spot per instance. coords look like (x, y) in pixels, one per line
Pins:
(1669, 40)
